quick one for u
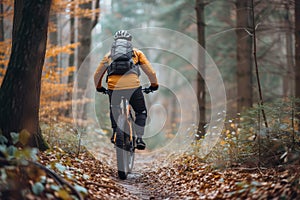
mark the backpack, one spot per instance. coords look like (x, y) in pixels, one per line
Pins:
(121, 55)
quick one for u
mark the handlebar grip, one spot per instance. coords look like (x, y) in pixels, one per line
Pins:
(147, 90)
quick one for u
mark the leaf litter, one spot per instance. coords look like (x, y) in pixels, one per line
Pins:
(188, 177)
(180, 177)
(174, 177)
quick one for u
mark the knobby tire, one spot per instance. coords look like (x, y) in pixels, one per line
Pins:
(125, 155)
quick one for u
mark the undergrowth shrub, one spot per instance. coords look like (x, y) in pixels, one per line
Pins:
(62, 135)
(26, 173)
(246, 139)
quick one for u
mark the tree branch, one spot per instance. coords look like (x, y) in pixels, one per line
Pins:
(261, 101)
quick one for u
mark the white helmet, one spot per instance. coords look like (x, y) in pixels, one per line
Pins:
(123, 34)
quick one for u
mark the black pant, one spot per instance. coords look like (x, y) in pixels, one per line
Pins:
(137, 102)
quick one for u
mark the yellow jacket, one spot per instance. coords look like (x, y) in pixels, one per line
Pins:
(126, 81)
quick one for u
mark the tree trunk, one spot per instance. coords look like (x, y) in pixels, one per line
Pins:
(297, 57)
(72, 40)
(1, 32)
(84, 34)
(201, 67)
(20, 90)
(53, 38)
(70, 81)
(287, 83)
(84, 38)
(244, 55)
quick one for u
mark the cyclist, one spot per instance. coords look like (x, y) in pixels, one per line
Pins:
(127, 85)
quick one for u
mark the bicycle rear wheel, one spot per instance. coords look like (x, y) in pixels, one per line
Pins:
(124, 148)
(122, 162)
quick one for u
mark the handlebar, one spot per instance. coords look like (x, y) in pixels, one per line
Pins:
(145, 90)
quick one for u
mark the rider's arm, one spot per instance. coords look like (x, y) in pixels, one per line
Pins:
(146, 67)
(100, 71)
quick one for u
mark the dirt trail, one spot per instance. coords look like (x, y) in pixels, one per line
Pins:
(162, 175)
(134, 182)
(136, 189)
(145, 162)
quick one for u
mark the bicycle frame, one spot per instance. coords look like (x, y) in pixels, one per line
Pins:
(125, 144)
(129, 117)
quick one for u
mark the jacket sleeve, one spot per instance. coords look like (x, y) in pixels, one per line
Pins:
(146, 67)
(100, 71)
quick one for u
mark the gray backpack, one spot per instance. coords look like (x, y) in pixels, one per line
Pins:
(121, 55)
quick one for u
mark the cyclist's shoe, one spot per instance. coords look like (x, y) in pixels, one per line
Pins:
(112, 139)
(140, 144)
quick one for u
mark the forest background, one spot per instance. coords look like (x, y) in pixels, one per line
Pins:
(254, 44)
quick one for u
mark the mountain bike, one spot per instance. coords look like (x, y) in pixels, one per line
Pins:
(125, 137)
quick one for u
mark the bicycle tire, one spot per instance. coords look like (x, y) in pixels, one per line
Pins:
(125, 155)
(122, 161)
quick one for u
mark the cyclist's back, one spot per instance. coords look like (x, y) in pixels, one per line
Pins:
(127, 85)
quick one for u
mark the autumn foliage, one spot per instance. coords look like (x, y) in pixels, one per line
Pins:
(250, 160)
(189, 176)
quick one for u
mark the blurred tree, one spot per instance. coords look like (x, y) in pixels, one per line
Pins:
(221, 45)
(71, 77)
(53, 37)
(62, 57)
(287, 76)
(201, 67)
(1, 32)
(127, 14)
(177, 16)
(86, 23)
(297, 56)
(20, 90)
(85, 26)
(244, 55)
(72, 41)
(275, 40)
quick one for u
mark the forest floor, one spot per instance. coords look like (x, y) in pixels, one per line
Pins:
(185, 177)
(161, 175)
(169, 176)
